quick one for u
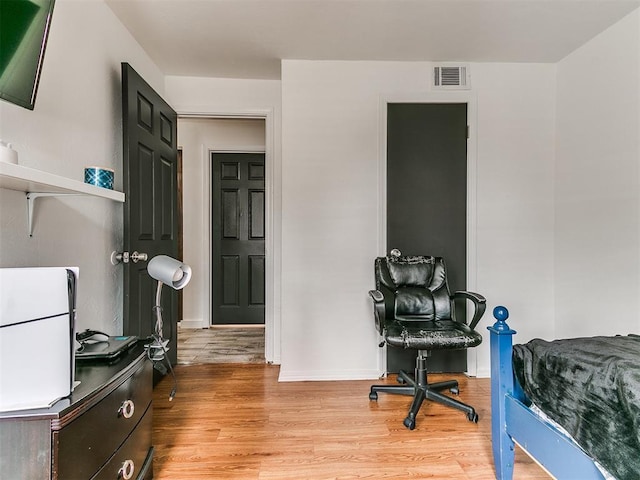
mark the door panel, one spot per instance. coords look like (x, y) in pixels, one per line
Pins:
(238, 235)
(168, 197)
(256, 214)
(427, 200)
(230, 285)
(151, 204)
(256, 279)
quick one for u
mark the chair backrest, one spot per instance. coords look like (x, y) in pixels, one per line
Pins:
(418, 285)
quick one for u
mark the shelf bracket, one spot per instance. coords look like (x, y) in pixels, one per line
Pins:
(31, 200)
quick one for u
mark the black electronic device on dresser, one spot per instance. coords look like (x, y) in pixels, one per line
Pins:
(103, 430)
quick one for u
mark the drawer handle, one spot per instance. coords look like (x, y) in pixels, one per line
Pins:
(127, 469)
(126, 409)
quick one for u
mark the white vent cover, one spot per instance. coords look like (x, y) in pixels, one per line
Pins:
(451, 77)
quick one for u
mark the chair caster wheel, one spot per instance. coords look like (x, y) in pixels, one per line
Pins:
(473, 417)
(410, 423)
(400, 380)
(373, 396)
(454, 390)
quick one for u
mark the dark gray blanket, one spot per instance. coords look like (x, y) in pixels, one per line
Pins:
(591, 387)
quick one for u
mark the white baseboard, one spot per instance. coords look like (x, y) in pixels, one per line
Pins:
(191, 324)
(327, 375)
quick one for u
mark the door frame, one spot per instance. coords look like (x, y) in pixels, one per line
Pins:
(272, 322)
(470, 99)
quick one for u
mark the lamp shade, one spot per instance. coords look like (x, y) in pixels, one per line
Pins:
(169, 271)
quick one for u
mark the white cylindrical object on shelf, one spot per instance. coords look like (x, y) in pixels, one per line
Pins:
(7, 153)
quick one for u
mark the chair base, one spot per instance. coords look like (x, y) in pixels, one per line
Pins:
(420, 389)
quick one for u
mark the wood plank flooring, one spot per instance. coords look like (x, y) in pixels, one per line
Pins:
(236, 421)
(233, 344)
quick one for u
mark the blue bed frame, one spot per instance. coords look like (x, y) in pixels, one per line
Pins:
(512, 421)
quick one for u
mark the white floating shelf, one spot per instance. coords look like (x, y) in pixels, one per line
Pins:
(29, 180)
(37, 184)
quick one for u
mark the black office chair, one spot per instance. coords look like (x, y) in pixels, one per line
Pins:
(413, 308)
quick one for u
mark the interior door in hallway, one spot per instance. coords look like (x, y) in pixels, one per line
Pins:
(427, 200)
(238, 238)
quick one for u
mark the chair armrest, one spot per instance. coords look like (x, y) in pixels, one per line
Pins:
(379, 310)
(479, 302)
(376, 295)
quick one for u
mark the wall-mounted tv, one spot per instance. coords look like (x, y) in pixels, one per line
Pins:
(24, 28)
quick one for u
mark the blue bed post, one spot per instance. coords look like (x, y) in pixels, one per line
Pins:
(501, 383)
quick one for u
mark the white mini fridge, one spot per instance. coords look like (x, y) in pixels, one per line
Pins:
(37, 328)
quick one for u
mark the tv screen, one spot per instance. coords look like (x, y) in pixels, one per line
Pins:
(24, 27)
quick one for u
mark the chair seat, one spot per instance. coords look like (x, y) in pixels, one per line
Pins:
(431, 335)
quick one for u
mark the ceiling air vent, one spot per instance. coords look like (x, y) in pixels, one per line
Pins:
(451, 77)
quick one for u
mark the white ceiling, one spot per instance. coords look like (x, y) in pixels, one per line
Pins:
(248, 38)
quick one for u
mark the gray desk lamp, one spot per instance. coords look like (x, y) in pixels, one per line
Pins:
(174, 273)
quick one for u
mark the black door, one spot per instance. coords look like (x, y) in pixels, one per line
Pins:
(150, 169)
(427, 200)
(237, 238)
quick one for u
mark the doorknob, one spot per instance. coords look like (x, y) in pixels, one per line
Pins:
(124, 257)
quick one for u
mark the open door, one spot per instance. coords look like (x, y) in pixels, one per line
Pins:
(151, 215)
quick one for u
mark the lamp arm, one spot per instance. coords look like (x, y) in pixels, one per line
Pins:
(158, 310)
(157, 350)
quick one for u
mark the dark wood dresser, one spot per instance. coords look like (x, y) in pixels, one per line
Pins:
(101, 431)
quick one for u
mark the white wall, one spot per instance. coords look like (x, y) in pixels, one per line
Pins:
(598, 185)
(76, 123)
(331, 216)
(198, 137)
(516, 120)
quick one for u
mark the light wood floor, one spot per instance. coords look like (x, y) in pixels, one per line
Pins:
(234, 421)
(234, 344)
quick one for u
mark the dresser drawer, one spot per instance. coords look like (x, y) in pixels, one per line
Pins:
(129, 461)
(83, 446)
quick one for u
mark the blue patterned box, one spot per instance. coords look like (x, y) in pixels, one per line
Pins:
(98, 176)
